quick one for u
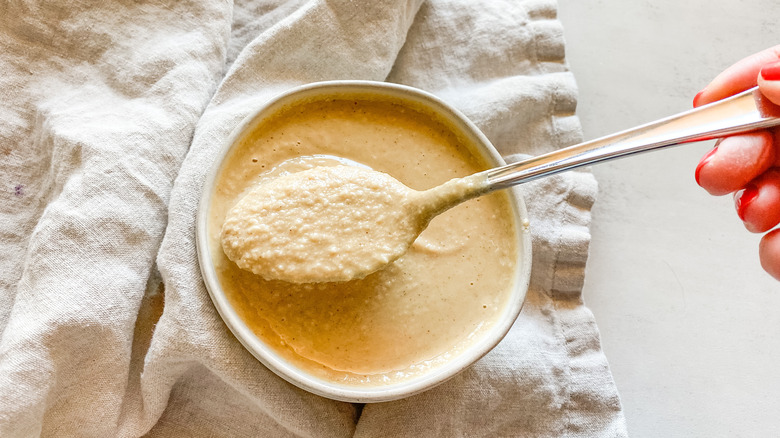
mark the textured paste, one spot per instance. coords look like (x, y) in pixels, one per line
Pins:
(334, 223)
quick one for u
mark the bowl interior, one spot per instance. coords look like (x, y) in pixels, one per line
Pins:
(479, 146)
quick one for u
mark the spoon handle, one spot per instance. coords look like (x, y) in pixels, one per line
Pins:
(743, 112)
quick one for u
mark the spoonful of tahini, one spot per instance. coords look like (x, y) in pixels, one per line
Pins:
(340, 223)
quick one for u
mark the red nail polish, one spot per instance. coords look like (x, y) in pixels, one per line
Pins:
(771, 72)
(696, 98)
(743, 199)
(703, 162)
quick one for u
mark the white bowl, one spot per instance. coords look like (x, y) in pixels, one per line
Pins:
(300, 377)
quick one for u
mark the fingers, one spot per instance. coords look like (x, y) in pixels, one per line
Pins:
(735, 161)
(740, 163)
(738, 77)
(758, 204)
(769, 82)
(769, 253)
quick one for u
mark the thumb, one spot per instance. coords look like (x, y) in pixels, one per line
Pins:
(769, 82)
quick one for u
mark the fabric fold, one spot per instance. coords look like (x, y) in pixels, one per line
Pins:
(98, 117)
(117, 111)
(350, 43)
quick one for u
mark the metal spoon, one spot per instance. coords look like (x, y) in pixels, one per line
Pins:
(744, 112)
(386, 216)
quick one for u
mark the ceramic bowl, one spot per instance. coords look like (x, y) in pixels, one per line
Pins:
(300, 377)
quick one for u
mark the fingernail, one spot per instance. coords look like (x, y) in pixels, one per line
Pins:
(697, 97)
(704, 162)
(744, 198)
(771, 72)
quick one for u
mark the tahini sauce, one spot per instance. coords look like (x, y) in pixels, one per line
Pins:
(398, 322)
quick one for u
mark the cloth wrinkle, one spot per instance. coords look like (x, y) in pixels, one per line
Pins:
(116, 111)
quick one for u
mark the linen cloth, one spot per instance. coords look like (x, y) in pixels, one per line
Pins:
(112, 112)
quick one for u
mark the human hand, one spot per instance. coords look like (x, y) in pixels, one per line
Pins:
(748, 165)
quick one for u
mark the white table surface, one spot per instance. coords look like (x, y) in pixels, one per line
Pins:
(689, 321)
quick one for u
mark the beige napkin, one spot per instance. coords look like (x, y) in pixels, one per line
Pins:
(112, 113)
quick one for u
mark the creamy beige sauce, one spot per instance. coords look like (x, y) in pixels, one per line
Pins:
(442, 295)
(332, 223)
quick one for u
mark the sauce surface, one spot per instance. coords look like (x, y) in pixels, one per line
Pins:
(400, 321)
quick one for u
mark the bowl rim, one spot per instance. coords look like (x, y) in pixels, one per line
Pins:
(288, 371)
